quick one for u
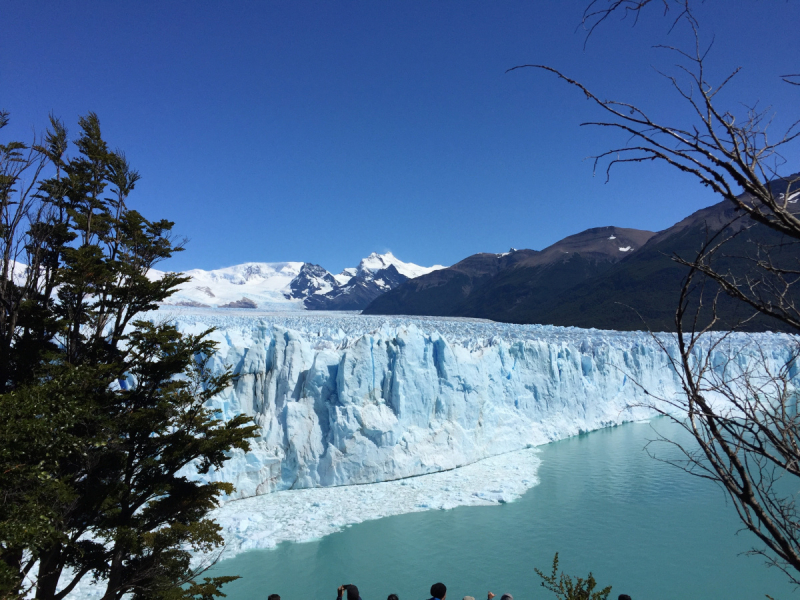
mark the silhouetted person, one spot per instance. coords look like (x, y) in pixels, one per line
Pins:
(273, 597)
(624, 597)
(393, 597)
(438, 591)
(351, 592)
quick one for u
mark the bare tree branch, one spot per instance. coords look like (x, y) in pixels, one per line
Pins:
(598, 11)
(791, 79)
(740, 398)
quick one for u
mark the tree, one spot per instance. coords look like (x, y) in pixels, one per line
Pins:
(106, 426)
(565, 588)
(742, 416)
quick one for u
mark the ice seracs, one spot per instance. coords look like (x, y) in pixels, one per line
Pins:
(352, 399)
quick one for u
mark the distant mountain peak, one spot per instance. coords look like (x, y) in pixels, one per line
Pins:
(377, 262)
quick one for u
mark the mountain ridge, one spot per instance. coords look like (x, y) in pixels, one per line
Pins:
(578, 281)
(487, 285)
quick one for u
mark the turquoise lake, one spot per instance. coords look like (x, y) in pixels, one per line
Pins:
(644, 527)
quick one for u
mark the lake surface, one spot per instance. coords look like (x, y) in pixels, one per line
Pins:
(646, 528)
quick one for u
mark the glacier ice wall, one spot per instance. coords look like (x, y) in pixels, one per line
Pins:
(353, 399)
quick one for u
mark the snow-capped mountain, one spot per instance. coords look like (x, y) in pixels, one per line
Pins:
(378, 262)
(312, 280)
(294, 285)
(359, 291)
(375, 275)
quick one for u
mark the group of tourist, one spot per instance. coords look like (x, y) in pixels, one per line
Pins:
(438, 592)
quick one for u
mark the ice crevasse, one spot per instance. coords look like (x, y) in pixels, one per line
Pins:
(364, 400)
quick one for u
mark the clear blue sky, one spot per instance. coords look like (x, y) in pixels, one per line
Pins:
(323, 131)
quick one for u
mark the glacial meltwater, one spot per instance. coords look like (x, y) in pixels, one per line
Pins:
(644, 527)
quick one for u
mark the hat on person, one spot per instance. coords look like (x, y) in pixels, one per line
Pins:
(438, 590)
(469, 598)
(506, 597)
(352, 592)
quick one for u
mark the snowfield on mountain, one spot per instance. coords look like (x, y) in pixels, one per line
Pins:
(287, 286)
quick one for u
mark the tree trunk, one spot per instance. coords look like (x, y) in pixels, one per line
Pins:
(50, 567)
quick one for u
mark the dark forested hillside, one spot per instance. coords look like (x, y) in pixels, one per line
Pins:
(586, 280)
(505, 287)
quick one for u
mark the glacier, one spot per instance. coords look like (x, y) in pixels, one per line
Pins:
(343, 399)
(432, 413)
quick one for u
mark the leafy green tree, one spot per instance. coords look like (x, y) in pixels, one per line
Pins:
(565, 588)
(106, 424)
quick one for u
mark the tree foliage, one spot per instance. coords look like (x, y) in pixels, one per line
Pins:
(106, 425)
(567, 588)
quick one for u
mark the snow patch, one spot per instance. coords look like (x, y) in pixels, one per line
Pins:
(345, 276)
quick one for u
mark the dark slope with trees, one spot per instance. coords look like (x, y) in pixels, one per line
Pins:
(642, 291)
(504, 287)
(580, 282)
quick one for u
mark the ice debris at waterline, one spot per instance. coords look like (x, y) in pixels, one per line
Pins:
(346, 399)
(304, 515)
